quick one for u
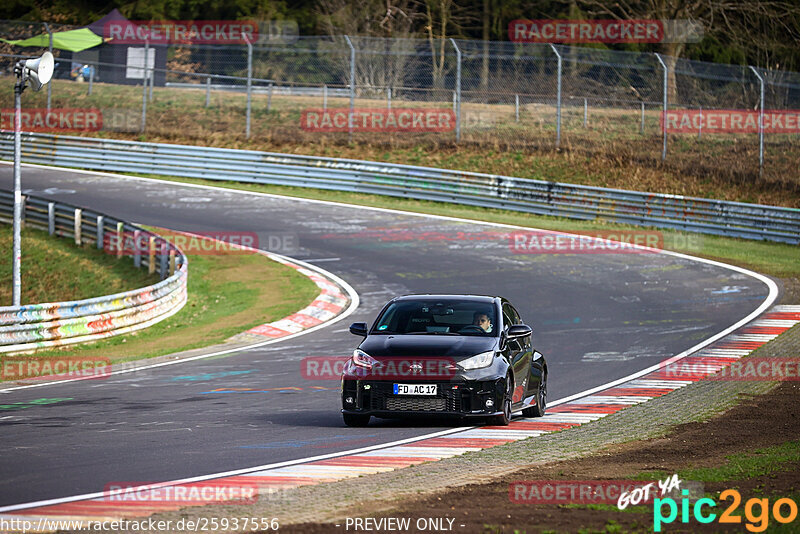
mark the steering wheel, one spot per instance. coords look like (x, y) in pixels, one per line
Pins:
(472, 328)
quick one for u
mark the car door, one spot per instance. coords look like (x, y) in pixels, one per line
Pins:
(518, 354)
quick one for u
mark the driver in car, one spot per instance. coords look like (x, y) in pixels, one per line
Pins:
(481, 319)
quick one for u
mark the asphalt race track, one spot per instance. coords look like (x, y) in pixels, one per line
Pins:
(597, 317)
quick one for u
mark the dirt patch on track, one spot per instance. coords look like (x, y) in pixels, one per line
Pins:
(756, 423)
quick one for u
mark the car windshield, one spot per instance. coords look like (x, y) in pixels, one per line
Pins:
(438, 317)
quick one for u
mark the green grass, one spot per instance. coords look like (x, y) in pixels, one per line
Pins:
(56, 270)
(745, 465)
(227, 294)
(776, 259)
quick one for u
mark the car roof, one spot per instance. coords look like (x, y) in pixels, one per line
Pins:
(455, 296)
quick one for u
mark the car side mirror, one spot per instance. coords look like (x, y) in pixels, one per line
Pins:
(359, 329)
(519, 330)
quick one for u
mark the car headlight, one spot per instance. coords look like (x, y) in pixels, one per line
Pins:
(362, 359)
(484, 359)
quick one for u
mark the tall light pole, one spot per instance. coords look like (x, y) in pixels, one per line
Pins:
(36, 73)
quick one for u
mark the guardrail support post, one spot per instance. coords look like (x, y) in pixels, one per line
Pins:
(388, 98)
(249, 82)
(516, 108)
(585, 112)
(77, 226)
(137, 248)
(666, 107)
(208, 91)
(162, 257)
(558, 98)
(760, 125)
(458, 90)
(152, 77)
(51, 218)
(151, 247)
(91, 80)
(120, 238)
(324, 97)
(269, 98)
(144, 85)
(100, 231)
(352, 87)
(171, 262)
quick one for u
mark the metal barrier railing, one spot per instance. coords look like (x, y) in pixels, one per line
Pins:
(35, 326)
(718, 217)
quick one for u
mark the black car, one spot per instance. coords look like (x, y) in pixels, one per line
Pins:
(461, 355)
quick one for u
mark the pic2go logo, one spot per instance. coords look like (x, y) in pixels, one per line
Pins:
(758, 520)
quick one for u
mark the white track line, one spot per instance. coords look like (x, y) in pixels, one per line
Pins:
(771, 297)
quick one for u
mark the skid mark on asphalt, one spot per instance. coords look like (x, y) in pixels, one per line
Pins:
(704, 362)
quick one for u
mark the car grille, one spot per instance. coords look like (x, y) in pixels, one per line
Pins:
(382, 398)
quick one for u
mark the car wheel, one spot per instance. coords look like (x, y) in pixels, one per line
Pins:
(505, 418)
(351, 419)
(538, 409)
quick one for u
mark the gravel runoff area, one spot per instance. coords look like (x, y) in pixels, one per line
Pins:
(409, 491)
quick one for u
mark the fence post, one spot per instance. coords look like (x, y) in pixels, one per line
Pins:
(388, 98)
(700, 124)
(641, 128)
(77, 226)
(51, 218)
(249, 82)
(352, 87)
(91, 80)
(50, 48)
(208, 91)
(516, 108)
(100, 229)
(666, 106)
(152, 77)
(325, 96)
(558, 98)
(269, 98)
(760, 125)
(171, 261)
(585, 111)
(144, 84)
(162, 268)
(120, 239)
(458, 90)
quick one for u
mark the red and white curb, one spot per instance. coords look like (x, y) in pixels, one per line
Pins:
(572, 413)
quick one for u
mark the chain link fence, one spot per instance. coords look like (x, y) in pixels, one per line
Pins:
(504, 95)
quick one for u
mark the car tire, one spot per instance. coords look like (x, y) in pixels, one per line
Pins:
(539, 407)
(505, 418)
(352, 419)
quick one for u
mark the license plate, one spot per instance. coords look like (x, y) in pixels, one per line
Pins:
(415, 389)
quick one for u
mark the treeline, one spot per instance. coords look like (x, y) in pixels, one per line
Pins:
(765, 33)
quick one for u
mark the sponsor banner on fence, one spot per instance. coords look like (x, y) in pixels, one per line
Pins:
(195, 493)
(730, 121)
(20, 368)
(378, 120)
(600, 242)
(160, 32)
(42, 120)
(755, 369)
(604, 31)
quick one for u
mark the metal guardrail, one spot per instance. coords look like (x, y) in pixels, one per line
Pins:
(718, 217)
(35, 326)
